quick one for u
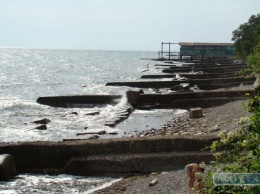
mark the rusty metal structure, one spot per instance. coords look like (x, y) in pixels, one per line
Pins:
(196, 51)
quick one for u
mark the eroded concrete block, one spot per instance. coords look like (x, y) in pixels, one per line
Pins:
(7, 167)
(196, 113)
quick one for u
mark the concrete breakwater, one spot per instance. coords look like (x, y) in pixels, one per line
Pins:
(172, 94)
(187, 100)
(140, 100)
(88, 100)
(190, 75)
(107, 156)
(199, 82)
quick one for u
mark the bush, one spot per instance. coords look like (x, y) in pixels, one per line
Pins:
(239, 151)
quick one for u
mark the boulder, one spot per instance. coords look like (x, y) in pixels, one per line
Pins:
(41, 127)
(7, 167)
(195, 113)
(42, 121)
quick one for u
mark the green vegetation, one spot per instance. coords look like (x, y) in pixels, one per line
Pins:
(239, 151)
(247, 36)
(253, 60)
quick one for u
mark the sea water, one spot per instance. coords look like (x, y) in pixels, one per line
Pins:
(27, 74)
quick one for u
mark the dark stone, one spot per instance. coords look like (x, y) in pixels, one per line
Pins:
(85, 100)
(196, 113)
(74, 113)
(42, 121)
(113, 133)
(101, 132)
(41, 127)
(133, 96)
(7, 167)
(93, 113)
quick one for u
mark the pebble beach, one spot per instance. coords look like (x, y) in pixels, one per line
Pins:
(215, 119)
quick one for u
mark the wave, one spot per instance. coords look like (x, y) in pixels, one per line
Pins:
(35, 183)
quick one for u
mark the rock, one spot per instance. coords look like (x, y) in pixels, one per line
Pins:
(123, 188)
(195, 113)
(153, 182)
(154, 173)
(94, 137)
(111, 123)
(7, 167)
(114, 132)
(185, 133)
(93, 113)
(214, 128)
(84, 138)
(168, 133)
(42, 121)
(74, 113)
(100, 132)
(41, 127)
(192, 129)
(164, 172)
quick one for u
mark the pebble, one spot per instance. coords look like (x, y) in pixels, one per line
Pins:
(214, 128)
(153, 182)
(183, 125)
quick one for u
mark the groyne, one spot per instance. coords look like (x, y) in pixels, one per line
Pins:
(187, 100)
(190, 75)
(192, 82)
(88, 100)
(107, 156)
(126, 156)
(183, 100)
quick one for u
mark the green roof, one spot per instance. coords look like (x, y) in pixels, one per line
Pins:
(204, 44)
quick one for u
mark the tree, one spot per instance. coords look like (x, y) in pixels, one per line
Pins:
(238, 152)
(253, 60)
(246, 36)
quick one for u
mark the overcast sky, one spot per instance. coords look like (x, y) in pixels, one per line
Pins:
(119, 24)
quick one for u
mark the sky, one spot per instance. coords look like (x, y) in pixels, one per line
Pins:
(119, 24)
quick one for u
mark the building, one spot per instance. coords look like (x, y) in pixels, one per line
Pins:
(197, 49)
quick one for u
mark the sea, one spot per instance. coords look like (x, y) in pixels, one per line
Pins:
(27, 74)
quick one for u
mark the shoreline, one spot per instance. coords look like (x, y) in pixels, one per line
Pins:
(176, 181)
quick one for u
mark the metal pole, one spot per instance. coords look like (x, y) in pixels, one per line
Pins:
(162, 50)
(169, 50)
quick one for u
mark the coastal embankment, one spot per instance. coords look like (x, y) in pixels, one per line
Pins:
(181, 141)
(124, 156)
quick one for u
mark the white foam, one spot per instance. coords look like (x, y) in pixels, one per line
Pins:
(8, 192)
(26, 183)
